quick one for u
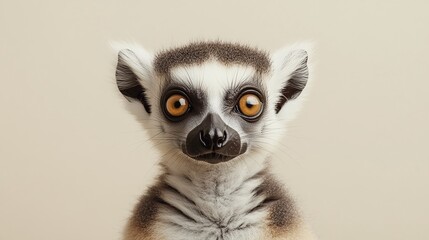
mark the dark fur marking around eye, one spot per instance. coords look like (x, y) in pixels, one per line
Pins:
(199, 52)
(197, 99)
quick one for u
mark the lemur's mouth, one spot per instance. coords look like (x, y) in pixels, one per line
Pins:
(213, 157)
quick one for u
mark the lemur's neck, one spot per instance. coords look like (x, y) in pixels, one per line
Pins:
(236, 199)
(215, 180)
(216, 194)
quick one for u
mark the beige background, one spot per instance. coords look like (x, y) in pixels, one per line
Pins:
(73, 161)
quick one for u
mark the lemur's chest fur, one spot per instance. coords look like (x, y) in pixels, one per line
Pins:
(247, 204)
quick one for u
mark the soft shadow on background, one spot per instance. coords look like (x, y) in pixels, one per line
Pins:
(73, 162)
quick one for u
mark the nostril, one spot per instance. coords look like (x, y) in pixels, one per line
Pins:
(215, 138)
(219, 143)
(221, 139)
(205, 139)
(202, 139)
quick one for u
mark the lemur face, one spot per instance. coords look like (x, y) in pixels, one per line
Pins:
(212, 102)
(216, 109)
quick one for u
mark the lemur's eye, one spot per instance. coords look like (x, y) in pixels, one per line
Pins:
(250, 105)
(177, 105)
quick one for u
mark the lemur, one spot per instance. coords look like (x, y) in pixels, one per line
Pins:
(216, 111)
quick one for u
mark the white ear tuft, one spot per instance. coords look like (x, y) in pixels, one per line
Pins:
(138, 58)
(134, 72)
(290, 74)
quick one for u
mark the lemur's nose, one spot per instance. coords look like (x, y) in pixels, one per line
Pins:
(214, 138)
(213, 141)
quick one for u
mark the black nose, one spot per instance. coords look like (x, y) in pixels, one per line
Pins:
(214, 138)
(213, 141)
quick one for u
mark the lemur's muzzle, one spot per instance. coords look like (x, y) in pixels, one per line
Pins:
(213, 141)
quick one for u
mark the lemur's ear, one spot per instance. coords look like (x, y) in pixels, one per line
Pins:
(290, 74)
(134, 73)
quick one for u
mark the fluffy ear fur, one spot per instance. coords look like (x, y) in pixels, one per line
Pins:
(290, 75)
(134, 73)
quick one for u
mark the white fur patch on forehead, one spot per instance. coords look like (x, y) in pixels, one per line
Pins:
(213, 76)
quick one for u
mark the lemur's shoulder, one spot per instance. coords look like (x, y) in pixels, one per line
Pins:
(282, 211)
(284, 219)
(142, 222)
(282, 215)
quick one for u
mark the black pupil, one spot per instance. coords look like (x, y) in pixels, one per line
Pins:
(249, 104)
(177, 104)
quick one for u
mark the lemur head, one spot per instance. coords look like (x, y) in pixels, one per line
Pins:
(213, 102)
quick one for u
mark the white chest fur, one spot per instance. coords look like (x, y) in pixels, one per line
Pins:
(212, 204)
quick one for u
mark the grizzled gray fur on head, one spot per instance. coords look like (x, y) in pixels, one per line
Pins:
(200, 52)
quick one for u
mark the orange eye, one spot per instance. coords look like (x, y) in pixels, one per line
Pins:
(177, 105)
(250, 105)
